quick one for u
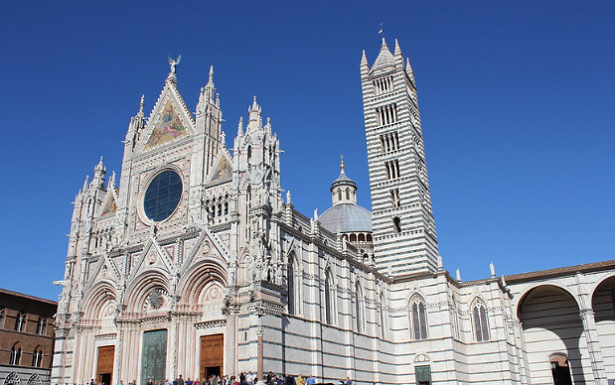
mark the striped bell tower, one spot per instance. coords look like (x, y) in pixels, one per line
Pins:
(404, 230)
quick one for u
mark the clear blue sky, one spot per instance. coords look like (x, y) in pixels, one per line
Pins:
(517, 102)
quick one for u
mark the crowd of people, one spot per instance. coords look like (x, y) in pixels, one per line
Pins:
(248, 378)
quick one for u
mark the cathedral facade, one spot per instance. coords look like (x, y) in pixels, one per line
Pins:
(194, 262)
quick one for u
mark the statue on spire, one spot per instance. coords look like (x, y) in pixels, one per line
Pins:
(173, 64)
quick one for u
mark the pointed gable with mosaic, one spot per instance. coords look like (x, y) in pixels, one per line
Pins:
(223, 170)
(170, 120)
(109, 206)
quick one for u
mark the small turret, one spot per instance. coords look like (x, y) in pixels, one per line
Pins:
(343, 189)
(255, 118)
(240, 127)
(98, 181)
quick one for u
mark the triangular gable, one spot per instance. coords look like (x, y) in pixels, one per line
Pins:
(152, 257)
(104, 269)
(109, 206)
(170, 120)
(223, 169)
(207, 244)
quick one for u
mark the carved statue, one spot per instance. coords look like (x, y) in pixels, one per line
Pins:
(174, 63)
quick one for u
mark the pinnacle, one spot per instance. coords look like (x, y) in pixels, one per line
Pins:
(397, 48)
(254, 106)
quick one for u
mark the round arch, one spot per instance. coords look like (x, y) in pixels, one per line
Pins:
(605, 283)
(136, 294)
(202, 274)
(97, 299)
(524, 295)
(551, 325)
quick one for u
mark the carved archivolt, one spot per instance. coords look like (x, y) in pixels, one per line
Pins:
(139, 295)
(100, 301)
(201, 276)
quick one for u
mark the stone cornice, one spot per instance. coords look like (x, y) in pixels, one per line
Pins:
(210, 324)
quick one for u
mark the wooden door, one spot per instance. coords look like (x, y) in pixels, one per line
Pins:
(104, 369)
(212, 355)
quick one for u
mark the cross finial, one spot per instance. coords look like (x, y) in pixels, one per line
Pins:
(342, 162)
(381, 31)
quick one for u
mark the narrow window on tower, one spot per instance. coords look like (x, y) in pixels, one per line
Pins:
(392, 169)
(397, 224)
(395, 197)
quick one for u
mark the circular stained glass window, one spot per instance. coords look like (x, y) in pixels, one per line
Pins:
(162, 196)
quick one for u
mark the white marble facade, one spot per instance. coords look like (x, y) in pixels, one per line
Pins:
(197, 241)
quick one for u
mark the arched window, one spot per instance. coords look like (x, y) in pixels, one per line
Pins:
(20, 321)
(290, 283)
(418, 318)
(15, 355)
(560, 369)
(1, 317)
(455, 316)
(37, 357)
(383, 317)
(479, 319)
(359, 307)
(42, 326)
(329, 298)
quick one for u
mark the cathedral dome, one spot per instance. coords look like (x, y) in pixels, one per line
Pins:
(345, 215)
